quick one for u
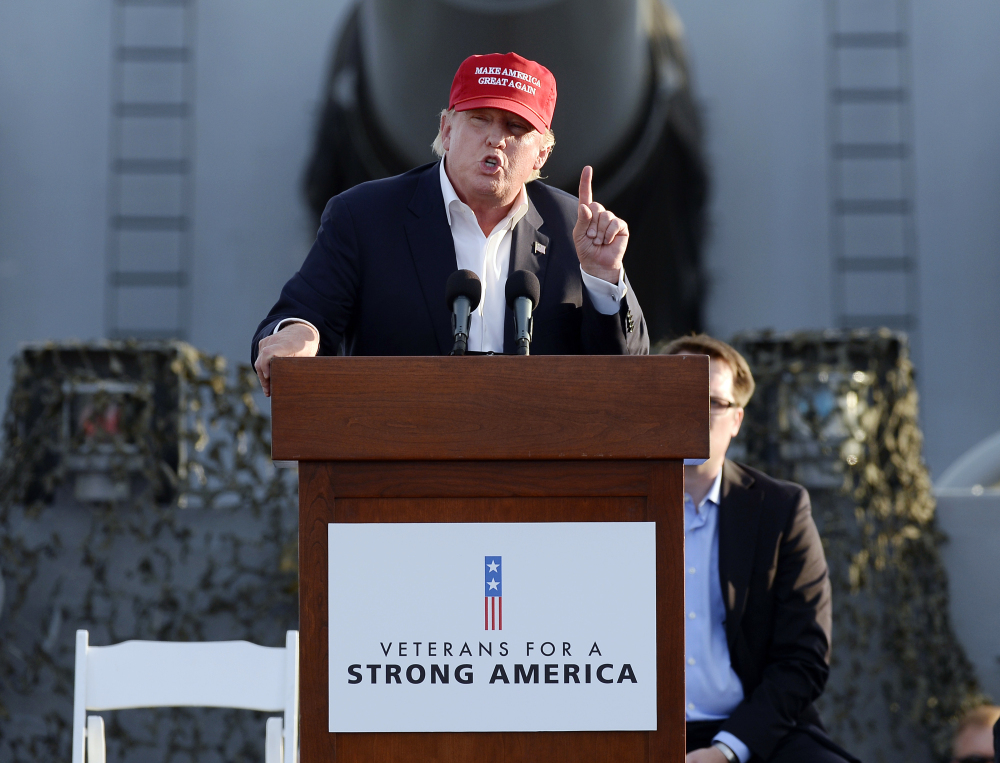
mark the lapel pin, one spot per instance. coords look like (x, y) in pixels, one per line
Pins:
(539, 248)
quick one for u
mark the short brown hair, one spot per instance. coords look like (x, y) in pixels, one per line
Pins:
(703, 344)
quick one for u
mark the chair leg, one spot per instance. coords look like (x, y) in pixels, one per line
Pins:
(96, 752)
(274, 747)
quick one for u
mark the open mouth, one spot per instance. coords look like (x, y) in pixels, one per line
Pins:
(491, 164)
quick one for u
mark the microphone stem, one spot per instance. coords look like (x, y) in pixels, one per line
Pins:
(523, 325)
(461, 308)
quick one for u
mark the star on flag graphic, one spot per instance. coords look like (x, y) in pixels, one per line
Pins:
(494, 594)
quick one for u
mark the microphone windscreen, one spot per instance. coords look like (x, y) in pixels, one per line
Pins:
(522, 283)
(464, 283)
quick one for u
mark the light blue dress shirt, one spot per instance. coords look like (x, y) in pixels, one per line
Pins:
(713, 689)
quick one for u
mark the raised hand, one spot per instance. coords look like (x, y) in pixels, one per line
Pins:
(600, 237)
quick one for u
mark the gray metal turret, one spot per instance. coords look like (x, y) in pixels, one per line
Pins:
(600, 61)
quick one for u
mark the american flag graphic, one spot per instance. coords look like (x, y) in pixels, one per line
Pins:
(494, 594)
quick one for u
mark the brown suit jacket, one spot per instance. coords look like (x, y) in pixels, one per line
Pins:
(776, 590)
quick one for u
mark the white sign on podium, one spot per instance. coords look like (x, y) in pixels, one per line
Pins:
(492, 627)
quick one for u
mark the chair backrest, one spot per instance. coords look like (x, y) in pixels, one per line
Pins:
(235, 674)
(161, 674)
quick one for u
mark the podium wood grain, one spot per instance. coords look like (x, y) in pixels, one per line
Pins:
(561, 472)
(489, 408)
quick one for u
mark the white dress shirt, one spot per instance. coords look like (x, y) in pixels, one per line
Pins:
(486, 256)
(489, 258)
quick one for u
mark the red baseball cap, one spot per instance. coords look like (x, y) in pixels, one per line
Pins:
(505, 81)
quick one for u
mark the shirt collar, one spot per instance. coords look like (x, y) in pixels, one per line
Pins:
(713, 492)
(712, 496)
(517, 211)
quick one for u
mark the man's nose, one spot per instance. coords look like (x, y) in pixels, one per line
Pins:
(496, 137)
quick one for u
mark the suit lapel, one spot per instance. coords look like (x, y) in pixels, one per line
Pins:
(528, 251)
(739, 518)
(433, 249)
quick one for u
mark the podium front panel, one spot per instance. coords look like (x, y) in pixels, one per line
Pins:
(490, 492)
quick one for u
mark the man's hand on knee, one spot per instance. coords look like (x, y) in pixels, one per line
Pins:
(296, 340)
(706, 755)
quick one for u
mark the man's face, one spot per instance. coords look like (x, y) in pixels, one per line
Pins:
(490, 154)
(724, 423)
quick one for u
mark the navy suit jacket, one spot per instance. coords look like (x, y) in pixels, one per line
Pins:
(374, 281)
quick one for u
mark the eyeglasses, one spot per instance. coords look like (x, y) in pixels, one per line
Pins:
(718, 406)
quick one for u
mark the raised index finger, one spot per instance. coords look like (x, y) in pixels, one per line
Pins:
(586, 194)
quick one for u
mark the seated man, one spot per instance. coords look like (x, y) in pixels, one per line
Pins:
(973, 741)
(757, 592)
(374, 281)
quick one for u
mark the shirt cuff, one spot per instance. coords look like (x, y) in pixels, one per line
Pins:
(741, 750)
(285, 321)
(607, 297)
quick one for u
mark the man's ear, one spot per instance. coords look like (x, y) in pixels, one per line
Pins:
(738, 422)
(542, 157)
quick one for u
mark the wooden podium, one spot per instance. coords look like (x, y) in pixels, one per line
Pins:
(491, 439)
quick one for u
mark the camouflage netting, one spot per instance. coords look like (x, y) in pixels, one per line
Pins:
(203, 546)
(200, 543)
(837, 412)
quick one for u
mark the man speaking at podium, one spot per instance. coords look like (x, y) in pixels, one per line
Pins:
(374, 281)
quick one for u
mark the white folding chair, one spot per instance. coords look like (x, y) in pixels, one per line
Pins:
(234, 674)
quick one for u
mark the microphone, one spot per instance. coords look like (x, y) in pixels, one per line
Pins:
(522, 292)
(463, 292)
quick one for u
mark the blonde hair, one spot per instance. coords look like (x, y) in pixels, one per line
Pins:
(548, 141)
